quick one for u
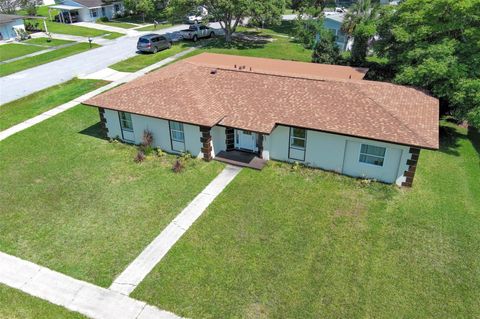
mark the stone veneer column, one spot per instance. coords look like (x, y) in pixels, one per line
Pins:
(103, 122)
(412, 167)
(206, 140)
(230, 138)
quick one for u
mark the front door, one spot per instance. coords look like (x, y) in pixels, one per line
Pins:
(246, 140)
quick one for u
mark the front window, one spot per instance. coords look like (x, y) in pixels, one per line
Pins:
(373, 155)
(93, 13)
(298, 138)
(126, 121)
(176, 132)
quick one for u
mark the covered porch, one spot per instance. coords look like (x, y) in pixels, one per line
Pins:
(67, 13)
(240, 158)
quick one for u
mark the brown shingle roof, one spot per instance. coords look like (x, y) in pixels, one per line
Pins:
(187, 91)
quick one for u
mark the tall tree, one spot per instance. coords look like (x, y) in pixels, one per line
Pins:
(142, 7)
(360, 23)
(435, 44)
(325, 49)
(230, 13)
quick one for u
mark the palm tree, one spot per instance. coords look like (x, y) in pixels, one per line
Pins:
(359, 23)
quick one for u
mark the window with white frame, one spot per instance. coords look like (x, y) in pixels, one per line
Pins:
(298, 138)
(176, 132)
(373, 155)
(93, 13)
(126, 121)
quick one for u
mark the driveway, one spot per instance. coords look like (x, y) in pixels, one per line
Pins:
(23, 83)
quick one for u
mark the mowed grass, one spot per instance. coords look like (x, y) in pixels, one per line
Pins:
(123, 25)
(34, 104)
(48, 42)
(30, 62)
(19, 305)
(154, 28)
(142, 60)
(77, 204)
(14, 50)
(285, 243)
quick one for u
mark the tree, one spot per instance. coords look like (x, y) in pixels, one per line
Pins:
(142, 7)
(11, 6)
(360, 23)
(325, 49)
(312, 8)
(307, 30)
(230, 13)
(434, 44)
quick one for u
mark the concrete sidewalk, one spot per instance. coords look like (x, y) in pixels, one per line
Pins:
(76, 295)
(128, 280)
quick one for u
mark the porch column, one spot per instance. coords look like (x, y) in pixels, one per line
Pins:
(70, 16)
(230, 138)
(206, 140)
(103, 122)
(412, 167)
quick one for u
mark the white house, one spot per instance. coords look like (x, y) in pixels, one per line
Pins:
(320, 115)
(87, 10)
(10, 25)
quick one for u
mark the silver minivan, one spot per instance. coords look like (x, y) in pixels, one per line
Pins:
(153, 43)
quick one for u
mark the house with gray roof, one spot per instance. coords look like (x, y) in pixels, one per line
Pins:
(87, 10)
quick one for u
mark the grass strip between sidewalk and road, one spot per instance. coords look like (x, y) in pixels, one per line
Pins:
(27, 63)
(34, 104)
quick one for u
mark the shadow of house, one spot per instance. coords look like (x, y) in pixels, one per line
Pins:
(94, 131)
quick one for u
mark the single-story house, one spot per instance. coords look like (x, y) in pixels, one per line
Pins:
(320, 115)
(333, 22)
(9, 26)
(87, 10)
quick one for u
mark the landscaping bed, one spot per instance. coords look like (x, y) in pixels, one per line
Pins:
(34, 104)
(79, 204)
(291, 242)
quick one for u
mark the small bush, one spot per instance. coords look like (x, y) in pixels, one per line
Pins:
(178, 166)
(104, 19)
(185, 156)
(140, 157)
(147, 138)
(159, 152)
(296, 166)
(147, 150)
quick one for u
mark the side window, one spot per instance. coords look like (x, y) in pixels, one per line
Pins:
(154, 40)
(176, 132)
(373, 155)
(126, 121)
(161, 39)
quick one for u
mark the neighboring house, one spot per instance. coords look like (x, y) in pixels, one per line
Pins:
(48, 2)
(87, 10)
(320, 115)
(333, 22)
(10, 25)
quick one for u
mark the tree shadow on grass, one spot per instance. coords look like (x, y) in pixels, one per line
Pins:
(449, 139)
(474, 136)
(241, 41)
(94, 130)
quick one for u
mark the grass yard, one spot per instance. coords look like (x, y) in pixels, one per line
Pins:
(55, 27)
(143, 60)
(45, 42)
(154, 28)
(14, 50)
(307, 244)
(77, 204)
(27, 63)
(19, 305)
(32, 105)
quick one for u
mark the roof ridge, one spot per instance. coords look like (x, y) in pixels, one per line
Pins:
(390, 113)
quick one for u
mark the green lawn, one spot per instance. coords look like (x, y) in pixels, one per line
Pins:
(123, 25)
(45, 42)
(80, 205)
(27, 63)
(55, 27)
(27, 107)
(19, 305)
(153, 28)
(308, 244)
(14, 50)
(143, 60)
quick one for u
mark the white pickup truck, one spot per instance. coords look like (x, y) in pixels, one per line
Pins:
(195, 32)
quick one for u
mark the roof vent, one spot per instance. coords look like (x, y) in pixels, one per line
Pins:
(350, 76)
(235, 66)
(213, 71)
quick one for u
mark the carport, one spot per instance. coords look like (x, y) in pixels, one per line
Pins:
(63, 8)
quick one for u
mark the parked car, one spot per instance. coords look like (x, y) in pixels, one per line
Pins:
(195, 32)
(197, 16)
(153, 43)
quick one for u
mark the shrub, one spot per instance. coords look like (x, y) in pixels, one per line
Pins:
(159, 152)
(147, 150)
(104, 19)
(140, 157)
(178, 166)
(147, 139)
(185, 156)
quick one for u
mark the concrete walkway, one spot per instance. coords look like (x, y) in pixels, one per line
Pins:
(121, 77)
(76, 295)
(104, 27)
(128, 280)
(106, 74)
